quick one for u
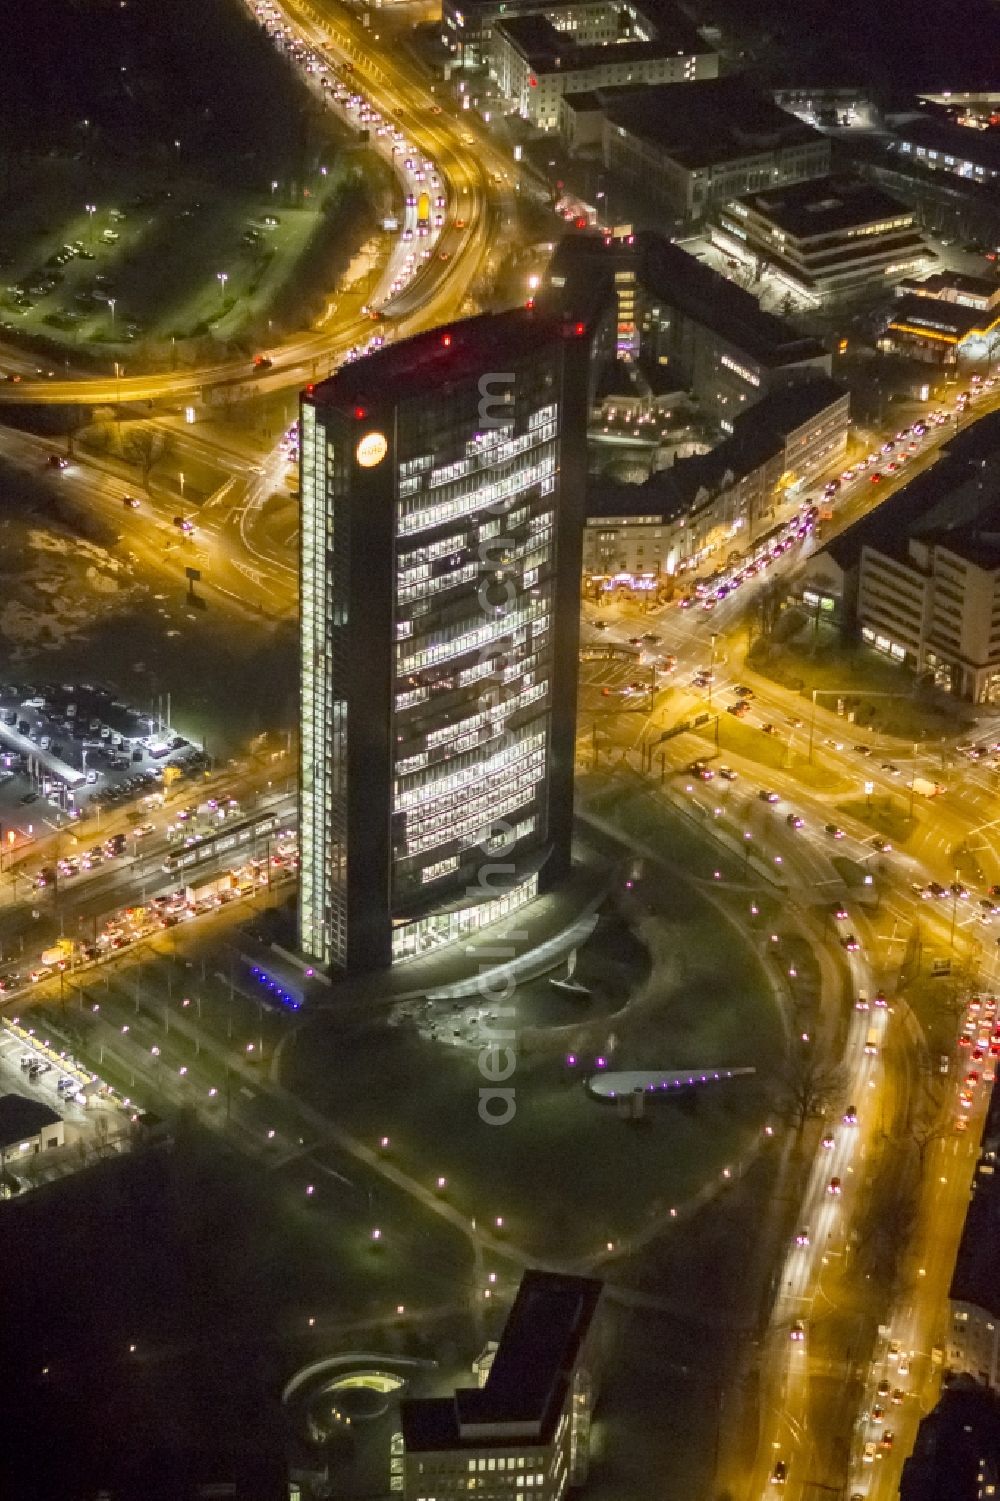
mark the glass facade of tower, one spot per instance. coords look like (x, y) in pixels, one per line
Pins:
(323, 715)
(473, 608)
(451, 535)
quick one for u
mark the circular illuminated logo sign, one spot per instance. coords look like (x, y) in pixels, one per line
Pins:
(371, 450)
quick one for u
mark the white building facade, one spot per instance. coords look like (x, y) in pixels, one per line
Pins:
(937, 610)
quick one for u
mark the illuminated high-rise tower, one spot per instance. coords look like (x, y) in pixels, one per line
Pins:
(442, 503)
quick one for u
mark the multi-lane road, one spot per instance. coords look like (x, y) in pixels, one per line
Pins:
(851, 1358)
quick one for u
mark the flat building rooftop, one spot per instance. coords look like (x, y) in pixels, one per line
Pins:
(825, 206)
(447, 356)
(527, 1384)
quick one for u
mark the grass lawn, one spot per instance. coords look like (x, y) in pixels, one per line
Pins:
(883, 696)
(883, 813)
(773, 751)
(565, 1172)
(418, 1260)
(642, 813)
(211, 1270)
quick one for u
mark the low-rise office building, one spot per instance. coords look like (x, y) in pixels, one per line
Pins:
(974, 1297)
(956, 1456)
(652, 302)
(27, 1127)
(467, 25)
(525, 1432)
(826, 239)
(919, 577)
(535, 62)
(723, 500)
(695, 147)
(940, 333)
(978, 292)
(944, 318)
(933, 603)
(942, 146)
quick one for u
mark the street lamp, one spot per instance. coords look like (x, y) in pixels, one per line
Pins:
(954, 908)
(91, 209)
(111, 305)
(222, 277)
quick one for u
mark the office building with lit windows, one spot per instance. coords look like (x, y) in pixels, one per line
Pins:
(692, 147)
(524, 1433)
(683, 326)
(829, 238)
(467, 25)
(918, 577)
(537, 58)
(442, 485)
(940, 145)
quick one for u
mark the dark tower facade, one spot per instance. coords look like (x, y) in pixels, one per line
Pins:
(442, 483)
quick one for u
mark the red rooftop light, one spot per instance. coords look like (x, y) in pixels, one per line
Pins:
(446, 340)
(530, 302)
(310, 389)
(533, 81)
(360, 412)
(580, 329)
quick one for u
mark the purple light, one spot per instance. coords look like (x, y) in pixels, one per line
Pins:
(571, 1059)
(602, 1063)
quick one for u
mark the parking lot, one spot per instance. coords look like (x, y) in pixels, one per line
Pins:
(73, 748)
(114, 274)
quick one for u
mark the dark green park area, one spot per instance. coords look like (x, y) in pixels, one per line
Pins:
(170, 190)
(173, 1291)
(566, 1174)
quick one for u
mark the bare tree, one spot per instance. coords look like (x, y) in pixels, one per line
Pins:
(102, 1133)
(887, 1220)
(926, 1124)
(144, 447)
(808, 1085)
